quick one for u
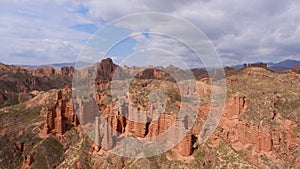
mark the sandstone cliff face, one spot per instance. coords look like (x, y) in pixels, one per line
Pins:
(61, 117)
(136, 122)
(106, 69)
(143, 119)
(27, 162)
(155, 73)
(107, 140)
(45, 71)
(235, 106)
(16, 79)
(184, 147)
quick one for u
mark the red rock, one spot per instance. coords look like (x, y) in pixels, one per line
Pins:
(88, 110)
(184, 147)
(296, 69)
(107, 140)
(27, 162)
(136, 122)
(97, 134)
(235, 106)
(153, 129)
(44, 71)
(264, 142)
(106, 70)
(67, 71)
(61, 115)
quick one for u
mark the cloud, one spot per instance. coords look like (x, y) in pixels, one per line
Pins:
(241, 30)
(42, 31)
(261, 30)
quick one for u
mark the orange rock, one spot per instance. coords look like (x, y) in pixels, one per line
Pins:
(27, 162)
(184, 147)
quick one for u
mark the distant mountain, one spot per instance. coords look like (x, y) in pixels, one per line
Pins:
(283, 65)
(276, 67)
(286, 63)
(58, 65)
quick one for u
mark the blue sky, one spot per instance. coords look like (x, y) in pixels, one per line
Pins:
(42, 32)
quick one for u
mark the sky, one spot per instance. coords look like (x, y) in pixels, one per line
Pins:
(56, 31)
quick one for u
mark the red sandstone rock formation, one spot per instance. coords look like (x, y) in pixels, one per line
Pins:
(296, 69)
(67, 71)
(106, 70)
(60, 116)
(184, 147)
(163, 123)
(136, 122)
(97, 134)
(88, 110)
(45, 71)
(27, 162)
(155, 73)
(235, 106)
(107, 140)
(2, 96)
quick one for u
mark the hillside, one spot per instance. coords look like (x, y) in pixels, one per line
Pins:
(259, 127)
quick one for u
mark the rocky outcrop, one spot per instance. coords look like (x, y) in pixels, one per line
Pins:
(184, 147)
(2, 97)
(27, 162)
(155, 73)
(44, 71)
(296, 69)
(87, 110)
(67, 71)
(136, 122)
(163, 123)
(106, 69)
(61, 117)
(107, 140)
(261, 65)
(235, 106)
(97, 134)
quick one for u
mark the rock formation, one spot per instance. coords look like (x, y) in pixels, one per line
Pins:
(61, 116)
(261, 65)
(184, 147)
(136, 122)
(107, 140)
(235, 106)
(2, 96)
(88, 110)
(262, 131)
(97, 134)
(106, 69)
(27, 162)
(296, 69)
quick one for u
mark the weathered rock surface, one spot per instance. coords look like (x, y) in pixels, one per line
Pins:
(261, 65)
(259, 126)
(61, 116)
(296, 69)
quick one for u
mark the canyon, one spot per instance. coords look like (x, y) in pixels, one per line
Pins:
(259, 127)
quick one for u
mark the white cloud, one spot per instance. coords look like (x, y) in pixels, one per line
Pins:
(259, 29)
(241, 30)
(39, 32)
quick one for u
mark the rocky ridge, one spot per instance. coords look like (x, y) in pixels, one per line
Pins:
(259, 126)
